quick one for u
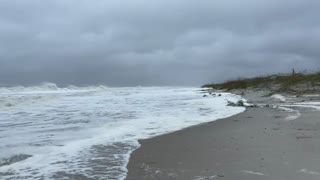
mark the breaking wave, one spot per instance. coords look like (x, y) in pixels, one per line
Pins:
(21, 95)
(47, 86)
(48, 132)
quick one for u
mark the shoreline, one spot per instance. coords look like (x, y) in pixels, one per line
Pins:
(260, 143)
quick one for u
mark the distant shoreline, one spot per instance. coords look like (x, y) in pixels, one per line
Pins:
(269, 143)
(295, 83)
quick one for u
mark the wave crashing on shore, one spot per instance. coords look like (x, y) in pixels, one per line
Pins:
(81, 133)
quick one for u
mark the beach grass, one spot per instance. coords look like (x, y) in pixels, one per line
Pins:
(292, 83)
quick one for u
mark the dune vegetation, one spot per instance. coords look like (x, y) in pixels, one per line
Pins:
(296, 83)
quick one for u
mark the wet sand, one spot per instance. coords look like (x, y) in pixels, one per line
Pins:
(257, 144)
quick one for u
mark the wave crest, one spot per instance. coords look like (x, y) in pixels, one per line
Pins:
(48, 86)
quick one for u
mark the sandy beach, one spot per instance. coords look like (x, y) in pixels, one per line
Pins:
(261, 143)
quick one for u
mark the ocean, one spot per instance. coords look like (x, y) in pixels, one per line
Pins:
(47, 132)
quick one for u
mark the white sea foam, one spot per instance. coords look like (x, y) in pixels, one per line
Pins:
(293, 114)
(14, 96)
(91, 132)
(205, 177)
(312, 105)
(279, 97)
(45, 88)
(309, 103)
(309, 172)
(311, 95)
(253, 173)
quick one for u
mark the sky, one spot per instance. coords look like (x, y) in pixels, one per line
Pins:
(155, 42)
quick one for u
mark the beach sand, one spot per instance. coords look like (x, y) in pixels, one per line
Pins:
(260, 143)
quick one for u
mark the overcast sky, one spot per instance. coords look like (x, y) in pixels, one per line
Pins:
(155, 42)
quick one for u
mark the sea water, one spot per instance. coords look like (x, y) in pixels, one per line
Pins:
(47, 132)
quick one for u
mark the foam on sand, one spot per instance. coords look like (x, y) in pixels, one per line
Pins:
(279, 97)
(312, 105)
(253, 173)
(309, 172)
(293, 114)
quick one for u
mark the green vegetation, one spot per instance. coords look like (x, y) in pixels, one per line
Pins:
(290, 83)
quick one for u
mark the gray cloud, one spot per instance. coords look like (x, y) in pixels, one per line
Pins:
(153, 42)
